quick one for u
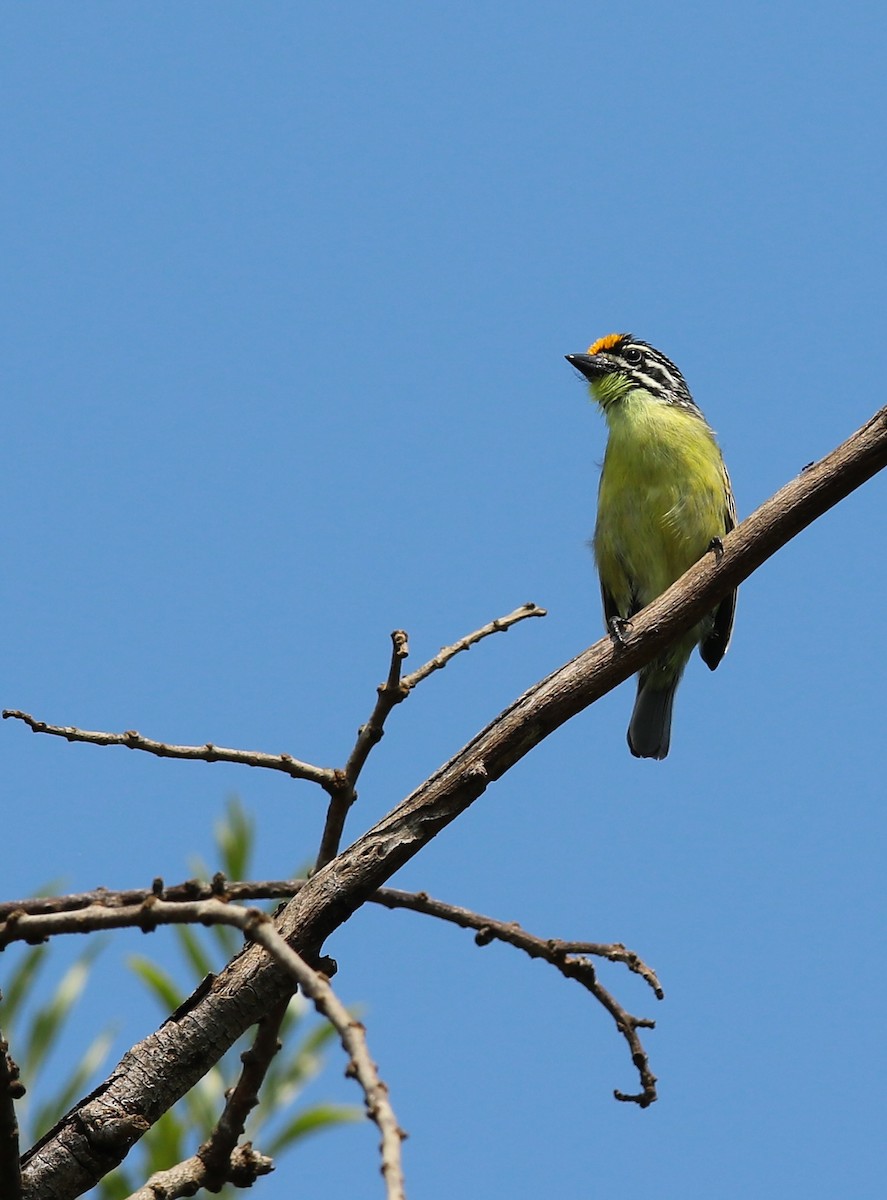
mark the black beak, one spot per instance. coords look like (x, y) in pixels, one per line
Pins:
(592, 366)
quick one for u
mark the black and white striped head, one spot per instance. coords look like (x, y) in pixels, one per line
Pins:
(619, 364)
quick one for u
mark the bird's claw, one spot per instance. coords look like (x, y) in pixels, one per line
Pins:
(617, 627)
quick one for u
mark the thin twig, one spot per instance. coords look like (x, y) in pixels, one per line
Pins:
(281, 889)
(327, 777)
(570, 958)
(339, 784)
(370, 734)
(216, 1151)
(187, 1177)
(390, 693)
(11, 1089)
(500, 625)
(489, 929)
(192, 889)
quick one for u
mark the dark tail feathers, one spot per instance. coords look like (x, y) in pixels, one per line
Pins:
(649, 731)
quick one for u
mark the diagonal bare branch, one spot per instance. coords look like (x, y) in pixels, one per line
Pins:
(389, 693)
(553, 950)
(74, 1155)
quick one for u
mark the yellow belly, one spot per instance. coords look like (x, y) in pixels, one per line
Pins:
(661, 501)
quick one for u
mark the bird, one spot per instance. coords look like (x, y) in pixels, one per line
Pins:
(664, 500)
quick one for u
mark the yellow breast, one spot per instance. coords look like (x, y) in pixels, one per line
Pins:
(662, 498)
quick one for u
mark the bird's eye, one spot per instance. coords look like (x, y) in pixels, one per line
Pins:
(633, 355)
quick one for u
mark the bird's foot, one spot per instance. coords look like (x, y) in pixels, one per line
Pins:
(617, 627)
(716, 546)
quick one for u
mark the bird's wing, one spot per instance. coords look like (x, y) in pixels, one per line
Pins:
(713, 647)
(611, 608)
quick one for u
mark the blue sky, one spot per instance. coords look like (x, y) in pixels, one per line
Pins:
(287, 294)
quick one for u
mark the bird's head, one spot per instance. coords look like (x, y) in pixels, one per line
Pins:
(619, 364)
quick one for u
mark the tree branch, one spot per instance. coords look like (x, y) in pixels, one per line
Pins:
(216, 1153)
(73, 1156)
(500, 625)
(44, 917)
(209, 752)
(282, 889)
(392, 692)
(185, 1178)
(388, 694)
(11, 1089)
(259, 928)
(571, 960)
(339, 784)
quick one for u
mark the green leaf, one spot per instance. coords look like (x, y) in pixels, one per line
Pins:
(158, 981)
(161, 1147)
(116, 1186)
(296, 1013)
(324, 1032)
(20, 984)
(235, 838)
(228, 940)
(48, 1020)
(56, 1107)
(205, 1101)
(288, 1076)
(195, 955)
(165, 1143)
(313, 1120)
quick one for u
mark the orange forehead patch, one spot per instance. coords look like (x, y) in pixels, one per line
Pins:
(605, 343)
